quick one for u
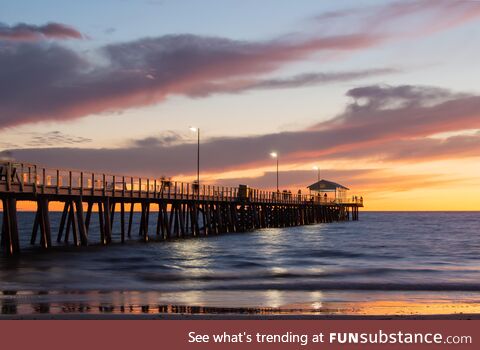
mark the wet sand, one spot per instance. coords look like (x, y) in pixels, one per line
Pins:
(235, 317)
(362, 310)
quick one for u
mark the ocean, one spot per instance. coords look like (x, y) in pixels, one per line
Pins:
(386, 263)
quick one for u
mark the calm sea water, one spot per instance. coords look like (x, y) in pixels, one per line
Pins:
(386, 256)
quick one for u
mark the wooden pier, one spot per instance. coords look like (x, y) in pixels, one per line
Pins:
(179, 209)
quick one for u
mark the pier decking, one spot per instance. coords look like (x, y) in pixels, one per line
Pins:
(183, 209)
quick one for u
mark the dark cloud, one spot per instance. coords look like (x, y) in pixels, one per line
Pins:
(168, 138)
(389, 112)
(61, 84)
(381, 126)
(30, 32)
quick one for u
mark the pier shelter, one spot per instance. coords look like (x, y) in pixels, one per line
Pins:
(329, 191)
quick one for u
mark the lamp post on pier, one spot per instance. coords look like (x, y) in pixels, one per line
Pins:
(275, 155)
(318, 172)
(197, 130)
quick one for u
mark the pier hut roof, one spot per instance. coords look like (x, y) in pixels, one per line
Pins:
(326, 186)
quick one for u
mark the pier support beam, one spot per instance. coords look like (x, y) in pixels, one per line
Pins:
(82, 228)
(10, 239)
(177, 217)
(42, 223)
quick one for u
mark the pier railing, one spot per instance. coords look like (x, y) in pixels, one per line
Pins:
(31, 178)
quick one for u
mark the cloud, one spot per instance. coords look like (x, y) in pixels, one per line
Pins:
(63, 84)
(387, 112)
(54, 138)
(41, 140)
(415, 150)
(383, 122)
(30, 32)
(300, 80)
(167, 138)
(424, 17)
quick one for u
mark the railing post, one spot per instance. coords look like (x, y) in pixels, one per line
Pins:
(93, 184)
(131, 187)
(43, 180)
(58, 181)
(139, 187)
(148, 188)
(21, 178)
(69, 182)
(34, 179)
(9, 176)
(104, 184)
(155, 188)
(123, 186)
(81, 183)
(113, 186)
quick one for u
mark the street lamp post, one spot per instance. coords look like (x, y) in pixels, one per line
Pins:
(197, 130)
(275, 155)
(318, 172)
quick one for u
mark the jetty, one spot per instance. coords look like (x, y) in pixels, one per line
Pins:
(179, 209)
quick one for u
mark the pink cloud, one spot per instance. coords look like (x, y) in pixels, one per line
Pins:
(62, 84)
(413, 17)
(391, 124)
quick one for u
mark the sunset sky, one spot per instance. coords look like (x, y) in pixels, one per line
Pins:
(382, 96)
